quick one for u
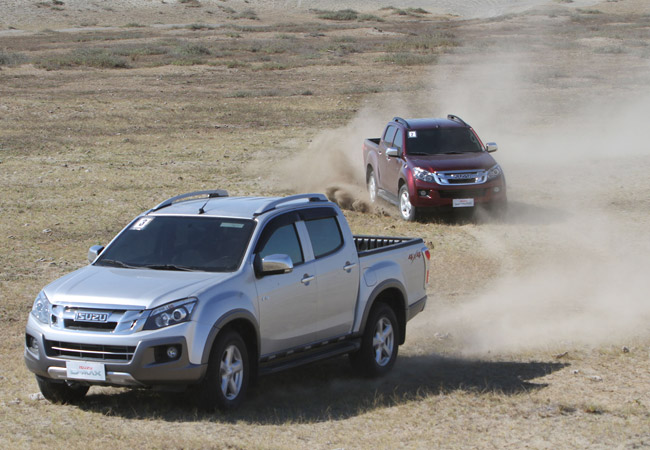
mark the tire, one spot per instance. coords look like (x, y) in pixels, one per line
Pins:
(371, 184)
(61, 392)
(226, 381)
(406, 210)
(379, 344)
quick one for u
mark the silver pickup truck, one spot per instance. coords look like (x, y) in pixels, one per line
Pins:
(209, 291)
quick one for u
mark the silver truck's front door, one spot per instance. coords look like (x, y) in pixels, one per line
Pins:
(288, 303)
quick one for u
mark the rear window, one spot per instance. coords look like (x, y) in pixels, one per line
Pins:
(325, 236)
(439, 141)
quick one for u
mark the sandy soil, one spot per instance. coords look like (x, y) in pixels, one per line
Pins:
(536, 331)
(33, 14)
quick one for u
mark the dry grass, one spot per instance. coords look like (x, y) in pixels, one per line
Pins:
(99, 125)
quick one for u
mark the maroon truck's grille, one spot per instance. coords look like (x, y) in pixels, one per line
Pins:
(463, 193)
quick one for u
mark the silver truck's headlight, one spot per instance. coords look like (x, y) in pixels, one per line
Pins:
(494, 172)
(423, 175)
(42, 308)
(170, 314)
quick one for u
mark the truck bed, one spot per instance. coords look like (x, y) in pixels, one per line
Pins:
(367, 245)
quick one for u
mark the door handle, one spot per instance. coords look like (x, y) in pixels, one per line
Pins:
(349, 266)
(306, 279)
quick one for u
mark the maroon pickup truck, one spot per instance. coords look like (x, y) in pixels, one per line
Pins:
(421, 164)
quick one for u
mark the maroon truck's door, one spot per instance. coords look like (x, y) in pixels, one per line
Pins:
(393, 165)
(382, 160)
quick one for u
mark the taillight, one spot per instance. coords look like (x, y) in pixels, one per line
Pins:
(427, 253)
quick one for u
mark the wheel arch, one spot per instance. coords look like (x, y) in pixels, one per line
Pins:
(245, 324)
(391, 293)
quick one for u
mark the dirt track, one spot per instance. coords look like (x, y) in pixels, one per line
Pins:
(536, 331)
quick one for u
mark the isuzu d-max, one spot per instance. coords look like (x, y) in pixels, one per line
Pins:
(421, 164)
(210, 290)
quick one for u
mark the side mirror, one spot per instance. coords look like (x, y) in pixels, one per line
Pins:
(491, 147)
(392, 152)
(94, 251)
(273, 265)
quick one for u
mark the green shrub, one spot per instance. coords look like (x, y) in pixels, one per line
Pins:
(341, 14)
(246, 14)
(407, 59)
(100, 58)
(12, 59)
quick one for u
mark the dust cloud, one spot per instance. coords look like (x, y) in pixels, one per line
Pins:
(574, 251)
(333, 162)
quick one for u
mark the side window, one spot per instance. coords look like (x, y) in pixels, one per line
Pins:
(284, 240)
(399, 139)
(389, 135)
(325, 236)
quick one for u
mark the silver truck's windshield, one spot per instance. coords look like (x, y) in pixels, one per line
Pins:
(440, 141)
(180, 243)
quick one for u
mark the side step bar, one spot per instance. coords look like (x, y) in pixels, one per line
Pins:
(289, 362)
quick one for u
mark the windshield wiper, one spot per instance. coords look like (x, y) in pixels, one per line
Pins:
(168, 267)
(115, 263)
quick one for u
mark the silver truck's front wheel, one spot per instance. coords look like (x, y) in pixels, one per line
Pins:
(226, 380)
(379, 344)
(231, 372)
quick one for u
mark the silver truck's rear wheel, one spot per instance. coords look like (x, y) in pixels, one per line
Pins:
(61, 392)
(406, 209)
(372, 186)
(379, 344)
(226, 380)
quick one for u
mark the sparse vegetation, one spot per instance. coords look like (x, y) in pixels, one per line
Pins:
(341, 14)
(108, 122)
(99, 58)
(407, 59)
(246, 14)
(414, 12)
(12, 59)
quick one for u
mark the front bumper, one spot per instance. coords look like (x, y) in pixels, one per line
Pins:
(128, 360)
(432, 195)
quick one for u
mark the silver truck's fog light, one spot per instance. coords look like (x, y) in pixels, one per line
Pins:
(172, 352)
(32, 344)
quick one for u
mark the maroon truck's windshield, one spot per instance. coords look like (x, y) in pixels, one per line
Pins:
(439, 141)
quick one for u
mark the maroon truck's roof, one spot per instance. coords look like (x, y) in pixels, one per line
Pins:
(425, 124)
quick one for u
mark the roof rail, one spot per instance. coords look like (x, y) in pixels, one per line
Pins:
(402, 121)
(457, 119)
(275, 203)
(210, 194)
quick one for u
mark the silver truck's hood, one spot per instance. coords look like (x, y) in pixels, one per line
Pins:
(130, 288)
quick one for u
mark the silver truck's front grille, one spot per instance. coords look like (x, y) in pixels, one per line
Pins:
(118, 321)
(89, 351)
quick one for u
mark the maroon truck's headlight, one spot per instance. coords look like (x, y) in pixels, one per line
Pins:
(423, 175)
(494, 172)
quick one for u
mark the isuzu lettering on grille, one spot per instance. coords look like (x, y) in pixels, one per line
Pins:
(82, 316)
